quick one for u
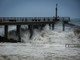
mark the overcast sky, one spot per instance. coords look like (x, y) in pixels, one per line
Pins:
(39, 8)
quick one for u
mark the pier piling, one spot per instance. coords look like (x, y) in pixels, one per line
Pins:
(18, 33)
(6, 31)
(31, 31)
(63, 24)
(52, 26)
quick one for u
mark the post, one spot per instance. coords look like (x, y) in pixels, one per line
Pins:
(31, 31)
(56, 11)
(52, 26)
(18, 33)
(29, 26)
(38, 24)
(63, 25)
(6, 31)
(49, 23)
(49, 26)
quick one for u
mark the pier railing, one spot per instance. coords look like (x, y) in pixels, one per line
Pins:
(17, 19)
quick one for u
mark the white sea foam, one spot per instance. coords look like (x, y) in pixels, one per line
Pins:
(47, 35)
(47, 44)
(51, 36)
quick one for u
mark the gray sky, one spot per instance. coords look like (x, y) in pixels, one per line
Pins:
(39, 8)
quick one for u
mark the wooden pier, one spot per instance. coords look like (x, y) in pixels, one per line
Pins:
(37, 23)
(32, 22)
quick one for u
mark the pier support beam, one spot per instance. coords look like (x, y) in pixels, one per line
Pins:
(6, 31)
(29, 27)
(31, 31)
(52, 26)
(63, 25)
(18, 33)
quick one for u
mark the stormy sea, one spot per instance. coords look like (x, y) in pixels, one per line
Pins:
(47, 44)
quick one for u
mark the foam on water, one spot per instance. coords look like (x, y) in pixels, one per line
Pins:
(47, 35)
(43, 44)
(52, 36)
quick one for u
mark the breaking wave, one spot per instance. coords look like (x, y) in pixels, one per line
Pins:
(47, 35)
(42, 44)
(51, 36)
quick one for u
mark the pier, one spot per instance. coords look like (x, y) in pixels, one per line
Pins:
(37, 23)
(32, 23)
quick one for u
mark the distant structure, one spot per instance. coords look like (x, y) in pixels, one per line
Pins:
(56, 10)
(32, 22)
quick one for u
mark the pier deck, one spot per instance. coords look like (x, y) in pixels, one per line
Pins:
(27, 23)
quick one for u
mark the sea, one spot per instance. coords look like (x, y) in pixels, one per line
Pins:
(47, 44)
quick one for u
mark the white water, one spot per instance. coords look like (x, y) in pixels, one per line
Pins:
(45, 45)
(51, 36)
(47, 35)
